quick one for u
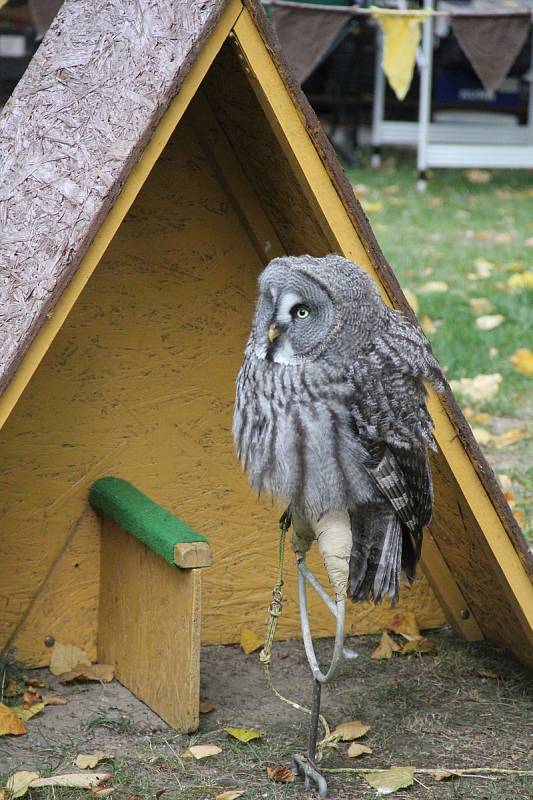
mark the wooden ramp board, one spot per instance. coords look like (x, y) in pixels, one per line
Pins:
(137, 361)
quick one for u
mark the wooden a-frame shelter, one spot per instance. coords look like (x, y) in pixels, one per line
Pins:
(154, 157)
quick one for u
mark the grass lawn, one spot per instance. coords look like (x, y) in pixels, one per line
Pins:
(472, 237)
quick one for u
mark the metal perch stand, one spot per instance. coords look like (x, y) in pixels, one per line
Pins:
(306, 766)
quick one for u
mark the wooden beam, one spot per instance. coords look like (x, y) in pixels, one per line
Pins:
(132, 186)
(485, 525)
(189, 555)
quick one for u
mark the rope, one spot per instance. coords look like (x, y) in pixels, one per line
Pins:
(274, 610)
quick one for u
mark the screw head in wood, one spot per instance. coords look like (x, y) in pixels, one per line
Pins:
(465, 613)
(49, 641)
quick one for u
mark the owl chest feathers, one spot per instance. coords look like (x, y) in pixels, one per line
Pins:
(296, 438)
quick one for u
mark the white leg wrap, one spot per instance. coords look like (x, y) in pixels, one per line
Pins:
(334, 535)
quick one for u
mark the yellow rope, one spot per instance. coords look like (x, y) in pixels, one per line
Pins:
(274, 610)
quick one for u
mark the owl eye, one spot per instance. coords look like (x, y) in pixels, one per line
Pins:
(300, 312)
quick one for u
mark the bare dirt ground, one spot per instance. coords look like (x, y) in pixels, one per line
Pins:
(433, 711)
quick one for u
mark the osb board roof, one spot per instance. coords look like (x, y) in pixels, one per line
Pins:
(74, 128)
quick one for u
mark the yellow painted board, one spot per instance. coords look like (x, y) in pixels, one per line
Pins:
(109, 227)
(139, 383)
(149, 627)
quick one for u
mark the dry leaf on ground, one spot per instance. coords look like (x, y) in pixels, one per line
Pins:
(509, 437)
(30, 697)
(356, 749)
(199, 751)
(53, 699)
(404, 623)
(102, 791)
(503, 237)
(67, 656)
(482, 435)
(441, 775)
(486, 673)
(231, 794)
(412, 299)
(28, 713)
(478, 389)
(386, 647)
(93, 672)
(522, 361)
(10, 723)
(371, 206)
(207, 705)
(18, 784)
(522, 280)
(489, 322)
(280, 773)
(243, 734)
(250, 641)
(427, 325)
(434, 287)
(529, 241)
(73, 780)
(390, 780)
(478, 176)
(480, 305)
(361, 189)
(348, 731)
(519, 517)
(418, 646)
(12, 688)
(90, 760)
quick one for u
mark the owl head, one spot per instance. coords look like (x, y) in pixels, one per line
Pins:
(308, 306)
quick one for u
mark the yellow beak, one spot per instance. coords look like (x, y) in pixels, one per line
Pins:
(273, 332)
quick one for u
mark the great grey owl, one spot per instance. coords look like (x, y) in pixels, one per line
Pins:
(330, 412)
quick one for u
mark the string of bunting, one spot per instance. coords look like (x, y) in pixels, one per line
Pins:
(307, 32)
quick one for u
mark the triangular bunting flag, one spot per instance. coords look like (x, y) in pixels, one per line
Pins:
(491, 43)
(306, 35)
(401, 37)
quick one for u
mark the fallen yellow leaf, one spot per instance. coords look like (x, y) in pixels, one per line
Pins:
(243, 734)
(67, 656)
(356, 749)
(250, 641)
(280, 773)
(73, 780)
(207, 705)
(30, 697)
(404, 623)
(10, 723)
(386, 647)
(522, 280)
(503, 237)
(18, 784)
(522, 360)
(477, 176)
(482, 436)
(361, 189)
(27, 713)
(231, 794)
(489, 322)
(90, 760)
(348, 731)
(417, 646)
(102, 791)
(486, 673)
(199, 751)
(412, 299)
(441, 775)
(54, 699)
(93, 672)
(519, 517)
(480, 305)
(390, 780)
(371, 207)
(427, 325)
(478, 389)
(432, 287)
(511, 436)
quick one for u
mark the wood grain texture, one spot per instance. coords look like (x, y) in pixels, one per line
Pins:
(149, 627)
(192, 554)
(139, 383)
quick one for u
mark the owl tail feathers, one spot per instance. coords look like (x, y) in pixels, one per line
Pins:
(376, 558)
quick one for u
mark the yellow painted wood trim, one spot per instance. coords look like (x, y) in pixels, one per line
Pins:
(110, 225)
(298, 146)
